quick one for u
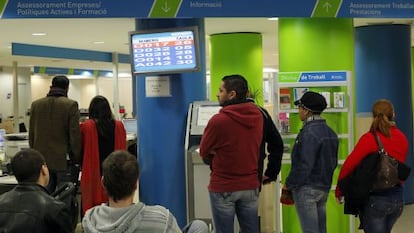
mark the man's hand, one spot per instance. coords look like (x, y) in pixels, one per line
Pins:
(340, 200)
(266, 180)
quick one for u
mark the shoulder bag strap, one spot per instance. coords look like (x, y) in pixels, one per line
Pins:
(379, 143)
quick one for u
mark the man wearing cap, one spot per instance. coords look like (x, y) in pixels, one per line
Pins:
(54, 131)
(314, 159)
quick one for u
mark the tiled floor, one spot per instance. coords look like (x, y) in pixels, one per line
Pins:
(79, 229)
(405, 222)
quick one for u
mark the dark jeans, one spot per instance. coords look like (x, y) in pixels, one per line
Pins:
(382, 210)
(57, 178)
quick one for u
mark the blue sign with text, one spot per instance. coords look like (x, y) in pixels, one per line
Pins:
(206, 8)
(322, 77)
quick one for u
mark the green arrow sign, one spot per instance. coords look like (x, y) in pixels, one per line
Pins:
(326, 8)
(3, 4)
(165, 8)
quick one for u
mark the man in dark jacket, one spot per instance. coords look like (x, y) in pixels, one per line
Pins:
(55, 132)
(271, 147)
(28, 205)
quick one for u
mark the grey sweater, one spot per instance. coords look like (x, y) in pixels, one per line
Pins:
(132, 219)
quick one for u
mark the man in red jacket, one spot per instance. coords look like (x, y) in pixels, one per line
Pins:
(231, 144)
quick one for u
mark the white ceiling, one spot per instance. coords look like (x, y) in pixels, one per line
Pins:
(81, 33)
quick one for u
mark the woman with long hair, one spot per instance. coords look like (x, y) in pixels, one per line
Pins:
(101, 135)
(382, 208)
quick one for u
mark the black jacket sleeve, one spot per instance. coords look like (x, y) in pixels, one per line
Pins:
(274, 146)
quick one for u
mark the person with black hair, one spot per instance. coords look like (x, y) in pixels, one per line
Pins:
(54, 131)
(230, 145)
(101, 134)
(120, 173)
(28, 205)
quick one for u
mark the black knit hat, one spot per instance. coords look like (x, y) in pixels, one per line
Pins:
(312, 101)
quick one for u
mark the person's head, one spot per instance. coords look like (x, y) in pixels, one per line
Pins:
(60, 81)
(120, 174)
(311, 103)
(29, 166)
(99, 109)
(383, 116)
(233, 89)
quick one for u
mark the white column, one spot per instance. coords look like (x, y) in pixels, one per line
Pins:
(115, 79)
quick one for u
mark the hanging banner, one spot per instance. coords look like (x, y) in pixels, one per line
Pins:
(206, 8)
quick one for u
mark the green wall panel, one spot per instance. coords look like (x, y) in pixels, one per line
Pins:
(318, 44)
(237, 53)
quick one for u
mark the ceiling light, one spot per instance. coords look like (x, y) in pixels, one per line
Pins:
(86, 73)
(273, 18)
(39, 34)
(99, 42)
(270, 70)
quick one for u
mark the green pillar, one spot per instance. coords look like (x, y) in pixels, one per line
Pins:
(237, 53)
(317, 44)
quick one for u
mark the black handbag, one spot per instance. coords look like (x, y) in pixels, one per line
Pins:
(403, 171)
(389, 170)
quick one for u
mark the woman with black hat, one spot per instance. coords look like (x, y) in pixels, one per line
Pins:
(314, 159)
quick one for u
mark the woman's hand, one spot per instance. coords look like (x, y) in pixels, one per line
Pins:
(340, 200)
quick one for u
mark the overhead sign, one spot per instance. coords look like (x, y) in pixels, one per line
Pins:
(323, 76)
(206, 8)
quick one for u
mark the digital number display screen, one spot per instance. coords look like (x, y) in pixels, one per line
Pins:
(164, 52)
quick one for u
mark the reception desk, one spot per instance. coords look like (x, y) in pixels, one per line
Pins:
(7, 183)
(18, 141)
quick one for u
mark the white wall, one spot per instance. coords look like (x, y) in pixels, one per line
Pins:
(105, 88)
(6, 92)
(84, 89)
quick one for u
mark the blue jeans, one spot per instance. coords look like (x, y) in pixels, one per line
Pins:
(310, 206)
(196, 226)
(242, 203)
(382, 210)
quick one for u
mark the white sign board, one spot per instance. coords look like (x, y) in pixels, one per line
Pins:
(157, 86)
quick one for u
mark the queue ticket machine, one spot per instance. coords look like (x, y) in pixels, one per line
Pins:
(198, 173)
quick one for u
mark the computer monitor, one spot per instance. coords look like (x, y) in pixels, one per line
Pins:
(202, 111)
(2, 138)
(165, 51)
(130, 125)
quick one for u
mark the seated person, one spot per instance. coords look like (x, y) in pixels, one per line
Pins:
(28, 205)
(120, 174)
